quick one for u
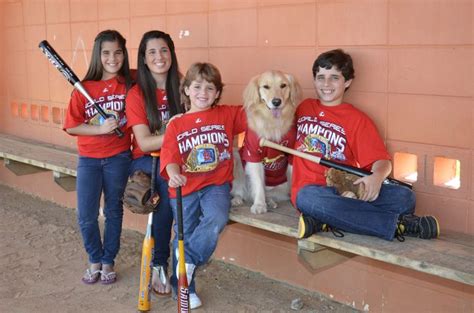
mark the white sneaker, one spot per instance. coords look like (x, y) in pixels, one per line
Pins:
(194, 301)
(189, 269)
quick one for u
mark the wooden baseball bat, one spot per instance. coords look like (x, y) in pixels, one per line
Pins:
(343, 167)
(183, 288)
(71, 77)
(144, 301)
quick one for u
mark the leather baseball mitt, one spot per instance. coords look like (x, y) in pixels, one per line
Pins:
(344, 183)
(137, 196)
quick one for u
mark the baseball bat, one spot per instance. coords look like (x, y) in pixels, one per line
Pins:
(71, 77)
(343, 167)
(144, 301)
(183, 290)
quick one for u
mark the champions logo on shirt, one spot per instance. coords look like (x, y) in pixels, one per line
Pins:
(325, 138)
(201, 144)
(110, 103)
(99, 120)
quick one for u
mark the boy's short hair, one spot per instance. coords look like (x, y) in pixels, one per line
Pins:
(206, 71)
(338, 58)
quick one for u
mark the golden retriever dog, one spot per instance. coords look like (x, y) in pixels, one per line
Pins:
(270, 101)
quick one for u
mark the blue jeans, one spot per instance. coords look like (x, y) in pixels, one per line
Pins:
(378, 218)
(205, 214)
(163, 216)
(94, 176)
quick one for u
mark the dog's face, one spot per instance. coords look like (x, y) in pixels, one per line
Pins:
(273, 89)
(270, 101)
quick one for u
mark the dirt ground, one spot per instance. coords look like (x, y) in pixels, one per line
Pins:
(42, 261)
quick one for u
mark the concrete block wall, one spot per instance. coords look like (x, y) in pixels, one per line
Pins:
(414, 77)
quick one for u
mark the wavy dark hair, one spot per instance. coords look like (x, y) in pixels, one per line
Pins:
(96, 69)
(338, 58)
(147, 83)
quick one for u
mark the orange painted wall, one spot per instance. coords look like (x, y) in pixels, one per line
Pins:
(414, 77)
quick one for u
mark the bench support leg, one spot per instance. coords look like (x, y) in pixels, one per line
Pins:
(317, 257)
(66, 182)
(20, 169)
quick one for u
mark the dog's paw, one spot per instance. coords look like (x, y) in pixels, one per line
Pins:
(272, 204)
(257, 208)
(237, 201)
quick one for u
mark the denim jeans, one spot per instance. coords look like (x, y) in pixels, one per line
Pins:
(205, 214)
(378, 218)
(94, 176)
(163, 216)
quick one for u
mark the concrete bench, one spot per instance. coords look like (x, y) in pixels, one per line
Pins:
(451, 256)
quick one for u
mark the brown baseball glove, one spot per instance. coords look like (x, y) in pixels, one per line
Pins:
(136, 197)
(344, 183)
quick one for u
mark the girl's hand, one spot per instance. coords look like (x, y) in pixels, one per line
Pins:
(177, 180)
(108, 125)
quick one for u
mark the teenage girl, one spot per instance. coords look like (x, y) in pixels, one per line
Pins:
(150, 105)
(104, 158)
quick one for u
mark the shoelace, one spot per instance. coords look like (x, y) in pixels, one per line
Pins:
(412, 227)
(336, 232)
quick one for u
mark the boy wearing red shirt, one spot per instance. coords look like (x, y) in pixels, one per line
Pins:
(330, 128)
(197, 155)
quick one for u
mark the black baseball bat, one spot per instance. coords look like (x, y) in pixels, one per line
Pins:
(71, 77)
(343, 167)
(183, 288)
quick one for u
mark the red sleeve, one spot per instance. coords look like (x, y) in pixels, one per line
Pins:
(75, 115)
(135, 108)
(366, 143)
(240, 121)
(169, 150)
(251, 151)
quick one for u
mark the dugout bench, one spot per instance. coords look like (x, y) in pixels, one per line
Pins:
(451, 256)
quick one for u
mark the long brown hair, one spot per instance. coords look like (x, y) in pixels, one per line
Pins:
(147, 83)
(96, 69)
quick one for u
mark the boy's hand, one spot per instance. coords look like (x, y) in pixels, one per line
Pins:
(372, 184)
(177, 180)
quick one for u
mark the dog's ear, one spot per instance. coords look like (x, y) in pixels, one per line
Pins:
(251, 94)
(296, 92)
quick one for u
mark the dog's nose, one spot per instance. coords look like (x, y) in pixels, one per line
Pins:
(276, 102)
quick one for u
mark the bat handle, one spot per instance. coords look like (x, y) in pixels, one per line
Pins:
(179, 209)
(119, 133)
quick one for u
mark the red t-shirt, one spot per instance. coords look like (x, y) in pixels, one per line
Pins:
(341, 133)
(110, 96)
(201, 144)
(274, 161)
(136, 113)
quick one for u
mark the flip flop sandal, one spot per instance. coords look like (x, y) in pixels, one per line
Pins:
(163, 279)
(91, 277)
(108, 278)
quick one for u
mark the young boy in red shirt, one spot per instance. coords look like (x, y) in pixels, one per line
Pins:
(197, 155)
